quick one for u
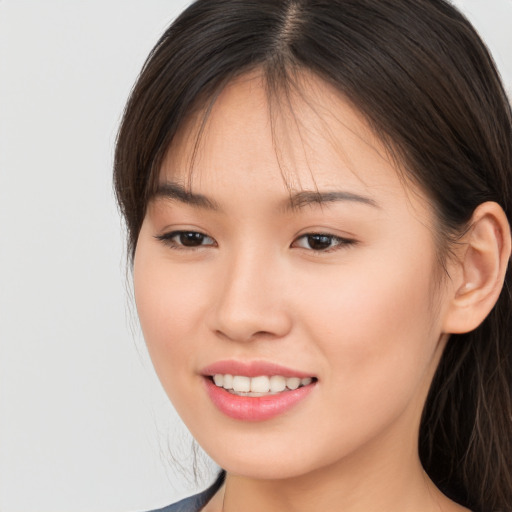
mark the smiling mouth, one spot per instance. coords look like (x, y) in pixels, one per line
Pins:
(262, 385)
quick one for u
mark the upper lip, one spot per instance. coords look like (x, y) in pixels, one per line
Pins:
(251, 369)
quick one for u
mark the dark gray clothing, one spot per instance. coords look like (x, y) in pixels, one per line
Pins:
(198, 501)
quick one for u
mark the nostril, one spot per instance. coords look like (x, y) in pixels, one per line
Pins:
(242, 315)
(233, 335)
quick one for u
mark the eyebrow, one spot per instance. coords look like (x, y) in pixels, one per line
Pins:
(175, 191)
(169, 190)
(306, 198)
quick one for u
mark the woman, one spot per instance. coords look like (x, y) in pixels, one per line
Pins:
(318, 202)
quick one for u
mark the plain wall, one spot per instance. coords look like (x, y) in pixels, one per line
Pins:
(84, 424)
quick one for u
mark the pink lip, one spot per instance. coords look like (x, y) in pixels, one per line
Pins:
(262, 408)
(251, 369)
(247, 408)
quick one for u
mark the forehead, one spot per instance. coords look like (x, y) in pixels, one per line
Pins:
(306, 137)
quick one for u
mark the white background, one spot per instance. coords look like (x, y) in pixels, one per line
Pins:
(84, 425)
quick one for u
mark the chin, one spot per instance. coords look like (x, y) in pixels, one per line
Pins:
(269, 469)
(266, 461)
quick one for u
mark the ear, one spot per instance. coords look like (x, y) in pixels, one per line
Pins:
(480, 273)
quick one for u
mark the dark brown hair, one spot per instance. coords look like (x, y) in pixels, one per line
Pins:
(427, 85)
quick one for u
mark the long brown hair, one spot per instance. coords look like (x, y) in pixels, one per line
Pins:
(428, 87)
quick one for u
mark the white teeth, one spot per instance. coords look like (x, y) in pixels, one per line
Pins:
(241, 384)
(277, 383)
(257, 386)
(219, 380)
(293, 383)
(228, 382)
(260, 384)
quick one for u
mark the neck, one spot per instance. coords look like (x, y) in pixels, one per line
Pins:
(332, 491)
(359, 483)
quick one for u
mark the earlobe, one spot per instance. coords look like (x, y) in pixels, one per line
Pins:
(483, 264)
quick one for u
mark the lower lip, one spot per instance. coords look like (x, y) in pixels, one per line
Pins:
(255, 408)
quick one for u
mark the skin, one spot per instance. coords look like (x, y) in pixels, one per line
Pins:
(365, 316)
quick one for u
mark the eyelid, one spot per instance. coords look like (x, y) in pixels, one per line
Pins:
(341, 242)
(167, 238)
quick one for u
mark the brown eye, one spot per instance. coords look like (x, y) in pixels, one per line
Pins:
(322, 242)
(191, 238)
(186, 239)
(319, 242)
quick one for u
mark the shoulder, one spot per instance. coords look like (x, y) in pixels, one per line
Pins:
(191, 504)
(198, 501)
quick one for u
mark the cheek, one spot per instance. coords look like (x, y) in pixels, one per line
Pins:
(170, 303)
(374, 323)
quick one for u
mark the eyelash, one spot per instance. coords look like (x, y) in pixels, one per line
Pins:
(338, 241)
(169, 239)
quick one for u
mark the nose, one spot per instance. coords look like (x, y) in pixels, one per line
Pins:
(251, 300)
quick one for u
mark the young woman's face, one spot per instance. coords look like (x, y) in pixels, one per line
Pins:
(297, 257)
